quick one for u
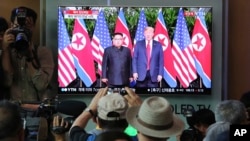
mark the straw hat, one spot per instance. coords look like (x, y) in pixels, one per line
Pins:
(155, 118)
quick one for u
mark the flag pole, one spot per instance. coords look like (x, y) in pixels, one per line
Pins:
(80, 83)
(200, 83)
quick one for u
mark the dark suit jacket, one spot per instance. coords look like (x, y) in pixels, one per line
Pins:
(139, 63)
(116, 65)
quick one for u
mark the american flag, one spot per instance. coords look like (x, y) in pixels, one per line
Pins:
(142, 23)
(100, 40)
(66, 68)
(183, 53)
(202, 49)
(161, 35)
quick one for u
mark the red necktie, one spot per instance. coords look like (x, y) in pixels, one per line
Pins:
(148, 55)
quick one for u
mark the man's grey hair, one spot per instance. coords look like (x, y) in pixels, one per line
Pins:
(232, 111)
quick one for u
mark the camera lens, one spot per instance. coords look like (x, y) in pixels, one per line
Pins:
(21, 36)
(21, 43)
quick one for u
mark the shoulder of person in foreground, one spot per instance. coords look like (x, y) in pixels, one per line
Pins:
(215, 129)
(113, 135)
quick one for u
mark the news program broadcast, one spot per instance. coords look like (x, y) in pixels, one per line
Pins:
(153, 50)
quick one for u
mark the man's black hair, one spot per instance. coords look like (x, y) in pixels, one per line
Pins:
(3, 24)
(114, 124)
(10, 119)
(117, 33)
(245, 99)
(204, 117)
(189, 135)
(30, 13)
(189, 114)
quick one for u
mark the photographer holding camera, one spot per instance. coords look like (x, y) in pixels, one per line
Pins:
(27, 68)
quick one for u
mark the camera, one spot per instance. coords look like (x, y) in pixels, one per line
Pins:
(21, 33)
(63, 129)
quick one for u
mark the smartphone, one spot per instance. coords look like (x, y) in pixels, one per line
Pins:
(121, 91)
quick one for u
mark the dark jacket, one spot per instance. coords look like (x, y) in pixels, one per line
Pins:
(116, 65)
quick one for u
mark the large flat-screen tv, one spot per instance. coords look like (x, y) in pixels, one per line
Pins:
(184, 33)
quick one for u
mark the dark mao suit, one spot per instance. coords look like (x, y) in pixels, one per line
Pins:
(140, 60)
(116, 65)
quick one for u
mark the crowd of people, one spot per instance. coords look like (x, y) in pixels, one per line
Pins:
(152, 117)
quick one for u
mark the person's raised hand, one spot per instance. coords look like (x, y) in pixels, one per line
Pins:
(132, 98)
(8, 38)
(93, 104)
(59, 128)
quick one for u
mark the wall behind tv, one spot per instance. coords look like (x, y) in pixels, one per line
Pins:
(238, 48)
(179, 102)
(7, 6)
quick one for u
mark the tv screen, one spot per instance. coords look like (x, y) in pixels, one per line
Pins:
(184, 34)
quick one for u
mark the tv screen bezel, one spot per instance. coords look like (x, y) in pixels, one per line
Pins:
(144, 91)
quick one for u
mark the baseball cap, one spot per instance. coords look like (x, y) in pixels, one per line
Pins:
(112, 107)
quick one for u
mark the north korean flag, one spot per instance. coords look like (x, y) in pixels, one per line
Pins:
(202, 49)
